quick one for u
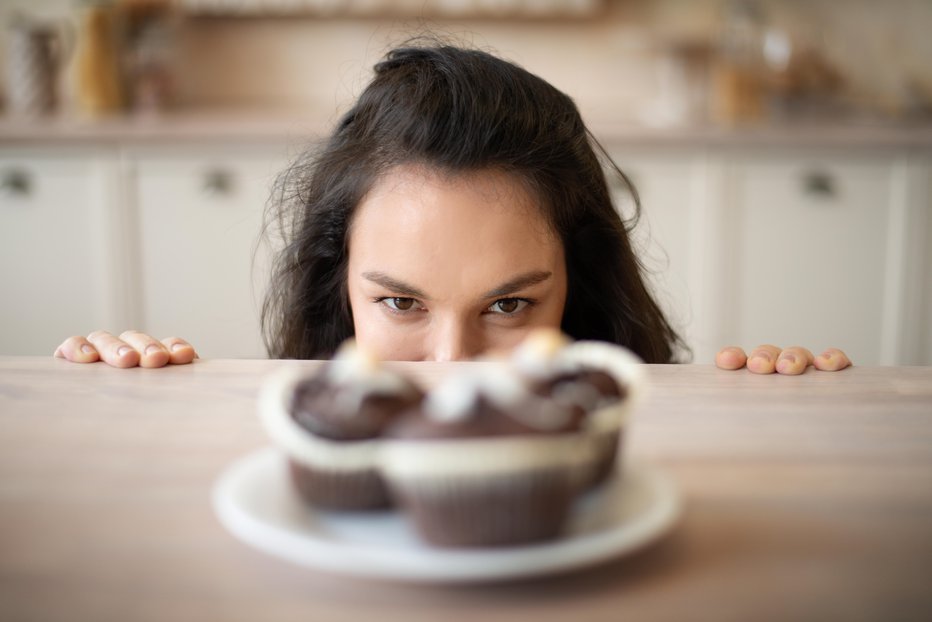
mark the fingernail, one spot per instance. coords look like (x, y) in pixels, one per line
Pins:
(763, 356)
(177, 346)
(152, 349)
(87, 349)
(789, 358)
(123, 351)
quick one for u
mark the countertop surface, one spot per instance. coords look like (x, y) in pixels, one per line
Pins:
(291, 126)
(805, 498)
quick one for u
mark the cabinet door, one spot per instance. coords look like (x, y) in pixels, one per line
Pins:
(808, 239)
(54, 246)
(920, 266)
(199, 218)
(662, 239)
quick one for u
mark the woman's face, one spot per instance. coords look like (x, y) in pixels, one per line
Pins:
(448, 267)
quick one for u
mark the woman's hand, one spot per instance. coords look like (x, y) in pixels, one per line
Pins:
(130, 349)
(768, 359)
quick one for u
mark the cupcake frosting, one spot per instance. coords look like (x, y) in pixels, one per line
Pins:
(333, 418)
(482, 422)
(495, 392)
(356, 376)
(458, 397)
(275, 409)
(539, 355)
(587, 374)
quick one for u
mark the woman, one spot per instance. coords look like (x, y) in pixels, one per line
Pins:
(460, 203)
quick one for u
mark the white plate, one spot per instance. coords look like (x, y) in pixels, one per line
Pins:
(254, 500)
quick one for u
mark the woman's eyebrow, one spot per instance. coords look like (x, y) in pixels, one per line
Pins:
(398, 287)
(518, 283)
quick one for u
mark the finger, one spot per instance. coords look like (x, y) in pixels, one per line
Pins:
(731, 357)
(832, 359)
(763, 359)
(180, 350)
(793, 361)
(152, 353)
(113, 351)
(77, 350)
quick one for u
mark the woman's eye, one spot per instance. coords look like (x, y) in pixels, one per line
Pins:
(508, 306)
(399, 304)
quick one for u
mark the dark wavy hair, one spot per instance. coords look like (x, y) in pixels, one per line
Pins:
(457, 110)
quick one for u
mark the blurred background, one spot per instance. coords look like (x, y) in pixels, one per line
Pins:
(782, 151)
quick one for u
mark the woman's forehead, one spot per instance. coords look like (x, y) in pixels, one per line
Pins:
(415, 195)
(490, 184)
(473, 227)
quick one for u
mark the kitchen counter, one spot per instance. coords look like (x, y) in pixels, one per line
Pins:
(806, 498)
(171, 128)
(297, 126)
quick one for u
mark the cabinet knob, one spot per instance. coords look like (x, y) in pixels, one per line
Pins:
(218, 182)
(15, 183)
(820, 184)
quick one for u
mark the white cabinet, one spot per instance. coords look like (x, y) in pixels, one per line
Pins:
(56, 246)
(795, 247)
(742, 245)
(919, 313)
(199, 215)
(157, 239)
(807, 251)
(828, 249)
(665, 182)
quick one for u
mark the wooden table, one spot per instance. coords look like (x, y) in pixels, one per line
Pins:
(806, 498)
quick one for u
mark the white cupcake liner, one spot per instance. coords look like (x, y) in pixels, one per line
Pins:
(428, 460)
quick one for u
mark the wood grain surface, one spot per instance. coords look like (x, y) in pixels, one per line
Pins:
(806, 498)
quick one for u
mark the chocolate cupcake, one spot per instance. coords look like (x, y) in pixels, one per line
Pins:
(598, 381)
(486, 463)
(329, 424)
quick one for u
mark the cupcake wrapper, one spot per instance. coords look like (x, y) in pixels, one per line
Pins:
(508, 509)
(363, 489)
